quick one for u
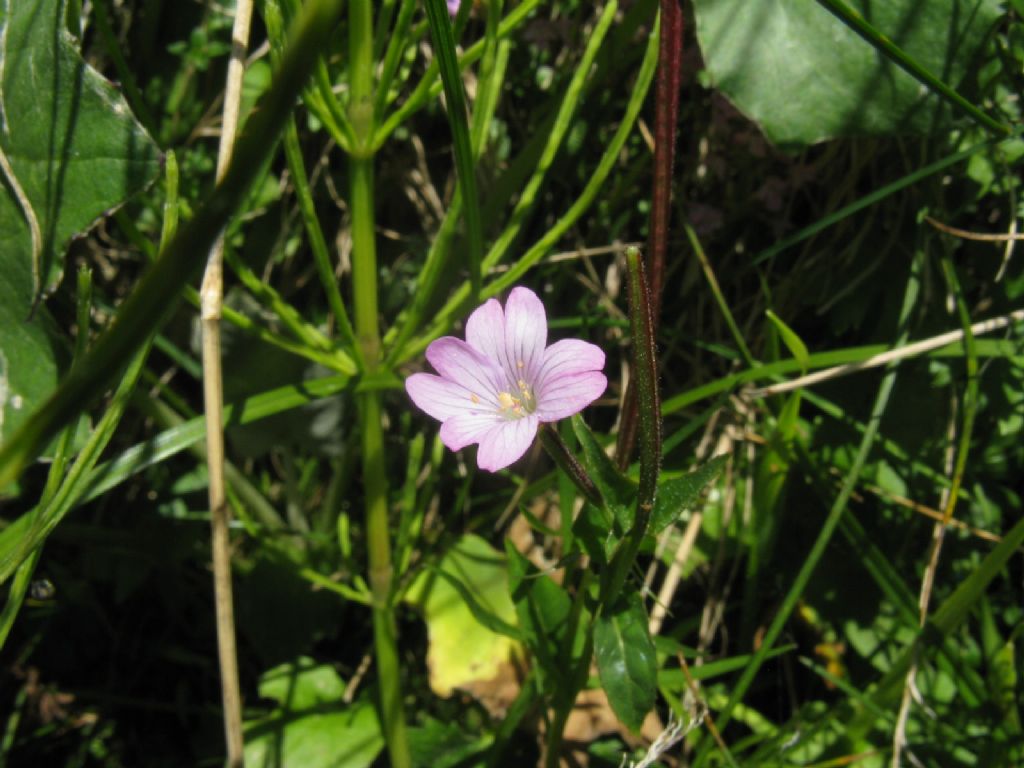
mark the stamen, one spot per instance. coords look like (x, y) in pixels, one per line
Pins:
(507, 402)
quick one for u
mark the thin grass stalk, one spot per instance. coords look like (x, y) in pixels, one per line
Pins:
(716, 292)
(831, 521)
(317, 243)
(212, 299)
(375, 482)
(970, 409)
(875, 196)
(666, 121)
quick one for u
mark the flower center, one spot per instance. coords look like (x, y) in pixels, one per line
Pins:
(518, 405)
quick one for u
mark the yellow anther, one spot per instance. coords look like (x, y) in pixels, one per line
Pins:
(506, 401)
(474, 398)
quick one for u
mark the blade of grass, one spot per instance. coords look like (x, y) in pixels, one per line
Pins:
(465, 165)
(870, 199)
(317, 243)
(970, 407)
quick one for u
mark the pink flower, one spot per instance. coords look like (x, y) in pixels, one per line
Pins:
(502, 381)
(453, 6)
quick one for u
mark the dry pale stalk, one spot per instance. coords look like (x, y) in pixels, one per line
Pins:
(212, 299)
(900, 353)
(948, 503)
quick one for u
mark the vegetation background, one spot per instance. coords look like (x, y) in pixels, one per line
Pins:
(830, 574)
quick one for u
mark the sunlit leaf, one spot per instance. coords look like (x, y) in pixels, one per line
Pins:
(803, 76)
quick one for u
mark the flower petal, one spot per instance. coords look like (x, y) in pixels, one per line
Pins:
(526, 333)
(468, 428)
(506, 443)
(569, 356)
(458, 362)
(485, 331)
(442, 398)
(570, 393)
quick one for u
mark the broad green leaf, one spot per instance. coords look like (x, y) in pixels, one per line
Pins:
(70, 152)
(804, 76)
(626, 661)
(312, 727)
(681, 493)
(302, 684)
(469, 615)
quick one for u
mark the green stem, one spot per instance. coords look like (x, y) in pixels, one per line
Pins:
(562, 456)
(375, 482)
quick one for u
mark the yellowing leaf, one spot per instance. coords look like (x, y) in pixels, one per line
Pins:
(468, 642)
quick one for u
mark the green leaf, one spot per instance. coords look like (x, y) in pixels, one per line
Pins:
(617, 490)
(544, 609)
(626, 661)
(681, 493)
(470, 617)
(804, 76)
(302, 684)
(448, 62)
(437, 744)
(645, 371)
(70, 151)
(793, 343)
(311, 727)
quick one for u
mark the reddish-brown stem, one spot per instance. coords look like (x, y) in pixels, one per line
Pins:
(666, 114)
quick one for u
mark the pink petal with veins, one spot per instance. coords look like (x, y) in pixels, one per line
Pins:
(506, 443)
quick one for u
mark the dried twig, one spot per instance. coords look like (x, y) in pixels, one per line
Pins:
(909, 350)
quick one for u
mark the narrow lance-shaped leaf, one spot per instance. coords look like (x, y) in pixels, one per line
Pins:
(645, 371)
(682, 493)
